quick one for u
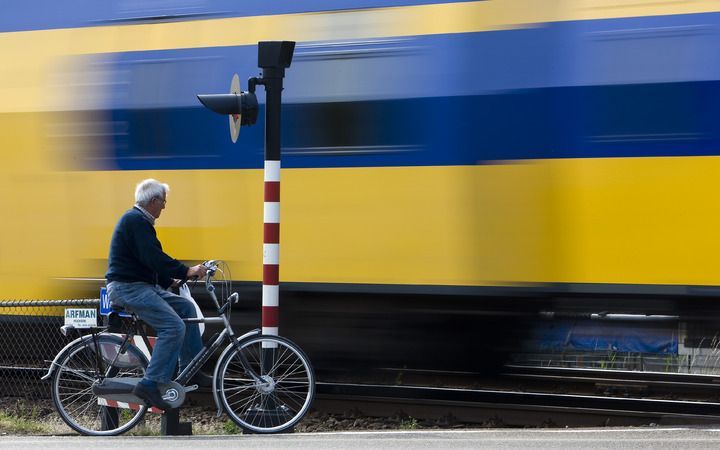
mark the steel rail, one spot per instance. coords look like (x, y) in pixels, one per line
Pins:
(528, 400)
(627, 377)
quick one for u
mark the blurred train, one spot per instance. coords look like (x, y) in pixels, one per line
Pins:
(482, 149)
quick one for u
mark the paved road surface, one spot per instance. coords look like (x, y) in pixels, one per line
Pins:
(615, 439)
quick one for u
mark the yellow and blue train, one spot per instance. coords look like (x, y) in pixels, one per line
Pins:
(428, 146)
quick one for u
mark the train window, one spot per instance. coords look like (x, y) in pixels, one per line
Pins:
(166, 81)
(155, 104)
(353, 128)
(355, 98)
(649, 51)
(642, 85)
(651, 119)
(359, 70)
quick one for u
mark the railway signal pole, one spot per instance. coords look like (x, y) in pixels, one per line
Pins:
(242, 107)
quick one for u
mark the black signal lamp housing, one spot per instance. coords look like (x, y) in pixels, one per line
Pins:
(244, 104)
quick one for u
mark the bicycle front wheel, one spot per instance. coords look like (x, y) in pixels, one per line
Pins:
(280, 395)
(79, 369)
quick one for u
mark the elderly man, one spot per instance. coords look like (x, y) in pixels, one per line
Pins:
(139, 274)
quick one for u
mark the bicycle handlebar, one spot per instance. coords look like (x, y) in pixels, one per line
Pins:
(211, 267)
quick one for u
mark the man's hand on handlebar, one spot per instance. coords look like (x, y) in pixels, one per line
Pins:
(198, 271)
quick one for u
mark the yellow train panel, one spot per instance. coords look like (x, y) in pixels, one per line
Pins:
(614, 220)
(639, 220)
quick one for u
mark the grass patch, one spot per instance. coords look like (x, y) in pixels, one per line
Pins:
(230, 427)
(410, 424)
(18, 425)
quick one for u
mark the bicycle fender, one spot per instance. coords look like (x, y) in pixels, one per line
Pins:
(54, 363)
(215, 389)
(62, 352)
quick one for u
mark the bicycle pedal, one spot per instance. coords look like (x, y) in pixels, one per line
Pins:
(173, 393)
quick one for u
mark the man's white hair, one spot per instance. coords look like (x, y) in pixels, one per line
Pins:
(149, 189)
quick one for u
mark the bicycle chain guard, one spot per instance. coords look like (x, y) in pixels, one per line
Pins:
(120, 390)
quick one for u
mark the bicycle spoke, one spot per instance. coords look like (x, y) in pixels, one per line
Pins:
(247, 404)
(72, 399)
(284, 393)
(298, 369)
(81, 375)
(290, 394)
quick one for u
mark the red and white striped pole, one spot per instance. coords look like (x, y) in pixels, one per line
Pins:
(273, 58)
(271, 249)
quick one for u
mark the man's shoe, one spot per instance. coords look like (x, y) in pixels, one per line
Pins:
(151, 396)
(202, 379)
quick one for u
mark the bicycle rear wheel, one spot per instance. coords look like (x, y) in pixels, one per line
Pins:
(284, 392)
(78, 371)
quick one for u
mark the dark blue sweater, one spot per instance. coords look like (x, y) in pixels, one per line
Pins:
(136, 253)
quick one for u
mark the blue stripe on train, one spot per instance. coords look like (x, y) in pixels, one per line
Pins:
(417, 66)
(601, 52)
(671, 119)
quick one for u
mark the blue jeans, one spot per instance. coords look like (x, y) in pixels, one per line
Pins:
(161, 310)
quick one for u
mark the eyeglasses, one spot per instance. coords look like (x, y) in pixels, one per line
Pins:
(163, 200)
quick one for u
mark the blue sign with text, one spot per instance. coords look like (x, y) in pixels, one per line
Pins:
(105, 308)
(104, 302)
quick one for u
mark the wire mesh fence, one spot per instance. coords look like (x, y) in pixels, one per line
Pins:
(30, 338)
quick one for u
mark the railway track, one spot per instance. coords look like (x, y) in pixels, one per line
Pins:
(510, 408)
(537, 396)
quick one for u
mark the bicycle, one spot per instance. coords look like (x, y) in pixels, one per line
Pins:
(264, 383)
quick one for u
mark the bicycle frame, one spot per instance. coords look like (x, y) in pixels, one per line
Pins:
(215, 342)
